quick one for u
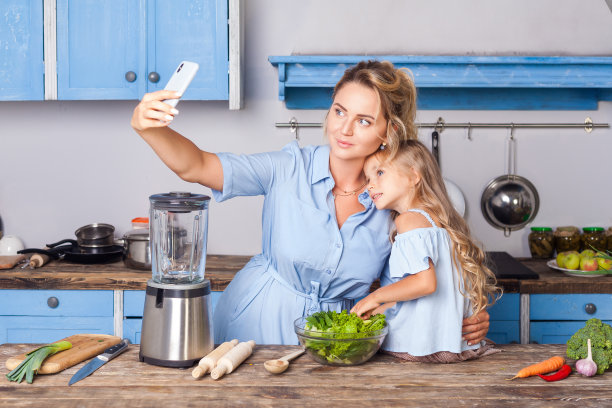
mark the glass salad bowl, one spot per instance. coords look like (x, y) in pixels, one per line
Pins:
(341, 349)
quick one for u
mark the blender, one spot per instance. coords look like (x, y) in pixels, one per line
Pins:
(177, 320)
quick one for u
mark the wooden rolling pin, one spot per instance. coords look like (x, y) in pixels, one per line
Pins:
(38, 260)
(209, 362)
(230, 361)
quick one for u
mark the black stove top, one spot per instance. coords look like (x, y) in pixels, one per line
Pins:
(506, 266)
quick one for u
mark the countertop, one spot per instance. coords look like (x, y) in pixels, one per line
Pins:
(220, 269)
(382, 381)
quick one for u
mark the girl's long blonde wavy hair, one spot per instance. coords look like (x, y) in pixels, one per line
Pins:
(479, 282)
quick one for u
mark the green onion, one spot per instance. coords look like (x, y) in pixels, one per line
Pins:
(34, 359)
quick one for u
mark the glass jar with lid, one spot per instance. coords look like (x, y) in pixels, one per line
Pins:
(541, 242)
(593, 238)
(567, 239)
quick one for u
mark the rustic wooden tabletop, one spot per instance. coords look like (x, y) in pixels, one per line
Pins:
(220, 270)
(384, 381)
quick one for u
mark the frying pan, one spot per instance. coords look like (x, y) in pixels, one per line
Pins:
(454, 193)
(72, 252)
(510, 201)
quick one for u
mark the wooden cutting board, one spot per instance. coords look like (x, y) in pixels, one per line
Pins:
(9, 261)
(84, 347)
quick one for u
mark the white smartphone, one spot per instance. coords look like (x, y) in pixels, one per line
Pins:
(180, 79)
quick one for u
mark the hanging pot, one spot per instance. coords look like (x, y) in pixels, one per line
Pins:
(510, 201)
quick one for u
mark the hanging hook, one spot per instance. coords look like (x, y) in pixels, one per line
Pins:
(294, 126)
(511, 152)
(440, 125)
(469, 132)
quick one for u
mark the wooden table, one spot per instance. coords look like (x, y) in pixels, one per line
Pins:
(220, 270)
(384, 381)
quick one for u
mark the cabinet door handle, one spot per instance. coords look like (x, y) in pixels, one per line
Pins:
(130, 76)
(153, 77)
(590, 308)
(53, 302)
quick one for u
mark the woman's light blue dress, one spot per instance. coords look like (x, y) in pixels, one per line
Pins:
(307, 264)
(430, 323)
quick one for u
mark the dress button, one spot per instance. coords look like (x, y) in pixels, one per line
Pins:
(328, 271)
(338, 245)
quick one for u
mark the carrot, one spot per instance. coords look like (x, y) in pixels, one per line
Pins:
(543, 367)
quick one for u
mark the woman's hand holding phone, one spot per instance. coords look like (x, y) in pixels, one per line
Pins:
(157, 109)
(153, 112)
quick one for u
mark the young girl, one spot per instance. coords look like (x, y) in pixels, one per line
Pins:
(436, 273)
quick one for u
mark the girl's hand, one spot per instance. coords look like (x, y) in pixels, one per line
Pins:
(382, 308)
(151, 112)
(476, 327)
(365, 306)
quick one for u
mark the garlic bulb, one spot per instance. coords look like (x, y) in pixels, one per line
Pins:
(587, 366)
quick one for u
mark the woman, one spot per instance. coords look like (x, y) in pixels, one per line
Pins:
(323, 241)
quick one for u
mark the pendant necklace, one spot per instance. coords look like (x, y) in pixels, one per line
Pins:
(349, 193)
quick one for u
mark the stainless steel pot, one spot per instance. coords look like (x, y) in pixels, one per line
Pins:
(137, 249)
(96, 235)
(510, 201)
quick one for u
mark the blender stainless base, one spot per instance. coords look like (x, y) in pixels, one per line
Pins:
(176, 324)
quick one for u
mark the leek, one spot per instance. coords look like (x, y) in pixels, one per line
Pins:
(34, 359)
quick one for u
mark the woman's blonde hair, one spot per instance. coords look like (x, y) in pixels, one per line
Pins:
(479, 281)
(397, 94)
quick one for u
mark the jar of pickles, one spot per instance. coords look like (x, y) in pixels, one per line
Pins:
(593, 238)
(609, 239)
(541, 243)
(567, 239)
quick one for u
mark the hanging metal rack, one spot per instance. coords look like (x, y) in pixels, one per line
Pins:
(440, 125)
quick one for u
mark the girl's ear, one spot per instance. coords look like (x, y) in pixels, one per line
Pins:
(414, 176)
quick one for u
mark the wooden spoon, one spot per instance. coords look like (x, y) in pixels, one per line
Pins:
(280, 365)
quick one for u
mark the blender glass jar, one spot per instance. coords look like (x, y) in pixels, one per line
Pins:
(179, 229)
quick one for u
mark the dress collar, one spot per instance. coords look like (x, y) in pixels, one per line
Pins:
(320, 171)
(320, 164)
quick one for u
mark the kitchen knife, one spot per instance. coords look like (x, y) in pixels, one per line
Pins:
(100, 360)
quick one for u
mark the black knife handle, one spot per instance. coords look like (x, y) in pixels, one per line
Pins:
(115, 350)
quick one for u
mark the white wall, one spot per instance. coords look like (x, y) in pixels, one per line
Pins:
(67, 164)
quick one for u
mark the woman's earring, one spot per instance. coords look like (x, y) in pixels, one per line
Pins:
(382, 146)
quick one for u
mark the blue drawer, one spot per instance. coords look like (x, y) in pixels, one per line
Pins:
(569, 307)
(131, 329)
(19, 302)
(504, 332)
(506, 308)
(133, 302)
(554, 332)
(36, 329)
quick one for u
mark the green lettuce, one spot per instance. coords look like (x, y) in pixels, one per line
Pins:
(336, 337)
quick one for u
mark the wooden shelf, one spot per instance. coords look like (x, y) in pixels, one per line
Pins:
(461, 82)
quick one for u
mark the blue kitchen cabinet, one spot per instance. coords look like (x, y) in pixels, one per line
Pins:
(44, 316)
(21, 50)
(554, 318)
(115, 49)
(504, 319)
(133, 305)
